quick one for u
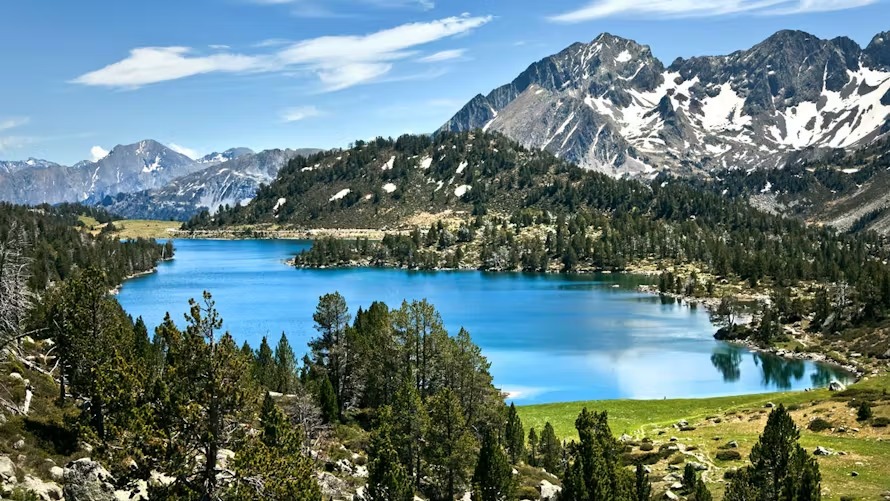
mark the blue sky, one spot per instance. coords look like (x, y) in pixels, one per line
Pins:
(206, 75)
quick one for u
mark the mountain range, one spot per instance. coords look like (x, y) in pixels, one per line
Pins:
(145, 179)
(610, 105)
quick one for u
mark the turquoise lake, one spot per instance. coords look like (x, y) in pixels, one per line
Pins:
(549, 338)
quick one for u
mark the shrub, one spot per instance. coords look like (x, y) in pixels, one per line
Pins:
(527, 492)
(646, 446)
(864, 412)
(729, 455)
(880, 422)
(818, 425)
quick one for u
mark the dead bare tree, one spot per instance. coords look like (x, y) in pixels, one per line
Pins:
(15, 297)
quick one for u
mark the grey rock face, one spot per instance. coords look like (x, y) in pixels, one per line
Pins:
(87, 480)
(228, 183)
(144, 165)
(610, 105)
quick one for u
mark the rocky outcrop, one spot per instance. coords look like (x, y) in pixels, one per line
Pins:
(87, 480)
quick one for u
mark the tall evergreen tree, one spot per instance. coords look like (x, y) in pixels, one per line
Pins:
(780, 468)
(493, 476)
(642, 487)
(387, 478)
(332, 351)
(514, 435)
(595, 474)
(286, 377)
(327, 400)
(450, 445)
(550, 449)
(533, 447)
(264, 365)
(411, 423)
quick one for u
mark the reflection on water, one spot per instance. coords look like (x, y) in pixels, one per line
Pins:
(728, 359)
(775, 372)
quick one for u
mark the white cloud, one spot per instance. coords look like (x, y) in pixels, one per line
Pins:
(14, 141)
(445, 55)
(98, 153)
(300, 113)
(338, 61)
(599, 9)
(182, 150)
(12, 123)
(219, 46)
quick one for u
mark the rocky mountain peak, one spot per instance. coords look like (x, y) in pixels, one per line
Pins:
(751, 108)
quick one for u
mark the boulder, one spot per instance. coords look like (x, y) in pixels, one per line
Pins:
(19, 444)
(87, 480)
(46, 491)
(769, 405)
(670, 495)
(549, 492)
(57, 474)
(821, 451)
(331, 486)
(836, 386)
(698, 466)
(625, 438)
(733, 444)
(7, 470)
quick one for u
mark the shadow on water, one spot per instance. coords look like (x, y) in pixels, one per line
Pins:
(775, 372)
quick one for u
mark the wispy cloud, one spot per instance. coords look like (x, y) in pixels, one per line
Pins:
(98, 153)
(182, 150)
(12, 123)
(300, 113)
(599, 9)
(338, 62)
(11, 142)
(445, 55)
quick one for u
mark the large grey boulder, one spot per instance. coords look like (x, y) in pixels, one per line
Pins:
(87, 480)
(836, 386)
(549, 492)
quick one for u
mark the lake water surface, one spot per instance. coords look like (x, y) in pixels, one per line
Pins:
(548, 337)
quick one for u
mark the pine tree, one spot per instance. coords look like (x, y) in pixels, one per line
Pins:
(331, 351)
(327, 400)
(780, 468)
(595, 474)
(514, 435)
(642, 487)
(264, 365)
(551, 449)
(493, 476)
(700, 492)
(533, 447)
(286, 379)
(449, 444)
(387, 478)
(411, 423)
(273, 465)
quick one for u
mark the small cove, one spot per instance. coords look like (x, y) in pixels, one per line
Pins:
(549, 338)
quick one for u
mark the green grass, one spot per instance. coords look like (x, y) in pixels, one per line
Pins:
(742, 419)
(635, 416)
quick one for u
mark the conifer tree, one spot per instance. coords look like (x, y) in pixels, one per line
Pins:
(264, 365)
(533, 447)
(595, 474)
(514, 435)
(493, 476)
(550, 449)
(780, 468)
(286, 378)
(327, 400)
(411, 423)
(449, 444)
(387, 478)
(642, 487)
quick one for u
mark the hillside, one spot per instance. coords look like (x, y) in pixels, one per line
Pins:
(610, 105)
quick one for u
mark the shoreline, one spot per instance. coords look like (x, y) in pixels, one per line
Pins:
(117, 289)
